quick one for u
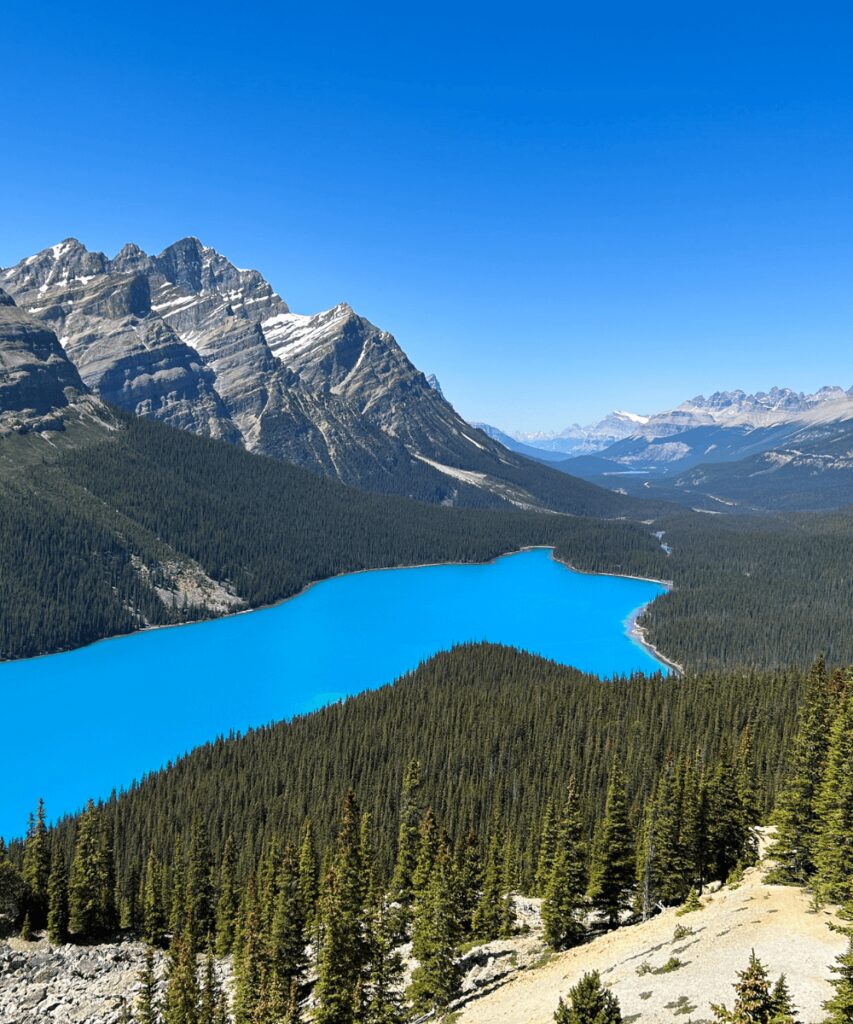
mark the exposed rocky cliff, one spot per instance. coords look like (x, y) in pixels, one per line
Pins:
(38, 383)
(190, 339)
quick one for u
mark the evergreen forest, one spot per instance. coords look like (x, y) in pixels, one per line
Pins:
(90, 532)
(311, 850)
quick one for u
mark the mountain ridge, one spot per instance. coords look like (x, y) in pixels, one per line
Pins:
(189, 339)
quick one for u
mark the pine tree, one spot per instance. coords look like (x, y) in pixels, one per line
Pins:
(694, 823)
(181, 1005)
(435, 932)
(309, 875)
(250, 967)
(427, 850)
(57, 899)
(783, 1011)
(563, 904)
(731, 838)
(176, 887)
(408, 838)
(796, 813)
(469, 880)
(153, 910)
(746, 787)
(199, 884)
(589, 1003)
(833, 850)
(384, 999)
(488, 915)
(612, 869)
(671, 872)
(840, 1007)
(753, 997)
(343, 952)
(228, 904)
(509, 880)
(367, 855)
(293, 1014)
(35, 869)
(147, 1011)
(211, 993)
(287, 939)
(91, 910)
(26, 932)
(547, 849)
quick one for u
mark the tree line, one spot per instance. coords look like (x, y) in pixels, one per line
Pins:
(76, 528)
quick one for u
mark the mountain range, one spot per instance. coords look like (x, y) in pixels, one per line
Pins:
(189, 339)
(733, 451)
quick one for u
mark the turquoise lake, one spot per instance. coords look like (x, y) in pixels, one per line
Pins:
(80, 723)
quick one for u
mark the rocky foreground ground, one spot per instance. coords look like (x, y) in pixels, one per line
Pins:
(658, 974)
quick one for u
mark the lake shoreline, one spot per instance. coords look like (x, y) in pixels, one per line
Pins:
(634, 631)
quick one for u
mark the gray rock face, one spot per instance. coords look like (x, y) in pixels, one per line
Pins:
(37, 380)
(43, 984)
(188, 338)
(123, 350)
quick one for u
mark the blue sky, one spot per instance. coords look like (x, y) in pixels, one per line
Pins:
(559, 209)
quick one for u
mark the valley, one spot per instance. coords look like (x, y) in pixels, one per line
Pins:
(337, 638)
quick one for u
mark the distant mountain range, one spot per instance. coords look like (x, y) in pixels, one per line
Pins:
(733, 451)
(187, 338)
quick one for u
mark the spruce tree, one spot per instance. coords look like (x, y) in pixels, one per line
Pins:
(211, 993)
(35, 869)
(228, 903)
(181, 1004)
(469, 880)
(287, 938)
(408, 838)
(796, 814)
(547, 849)
(839, 1007)
(563, 902)
(153, 910)
(427, 850)
(384, 998)
(612, 868)
(731, 838)
(435, 935)
(250, 966)
(343, 952)
(509, 881)
(91, 910)
(488, 915)
(833, 849)
(589, 1003)
(784, 1011)
(753, 997)
(57, 899)
(147, 1009)
(309, 875)
(199, 884)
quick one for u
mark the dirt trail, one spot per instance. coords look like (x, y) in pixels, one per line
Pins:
(773, 920)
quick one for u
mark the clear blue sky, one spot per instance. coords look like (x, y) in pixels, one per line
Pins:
(559, 209)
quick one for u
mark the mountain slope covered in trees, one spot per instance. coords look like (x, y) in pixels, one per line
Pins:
(259, 847)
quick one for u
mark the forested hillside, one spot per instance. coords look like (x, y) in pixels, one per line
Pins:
(154, 526)
(99, 539)
(483, 720)
(313, 850)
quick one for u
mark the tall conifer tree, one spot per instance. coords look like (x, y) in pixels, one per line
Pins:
(796, 812)
(35, 870)
(91, 910)
(612, 868)
(563, 903)
(435, 935)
